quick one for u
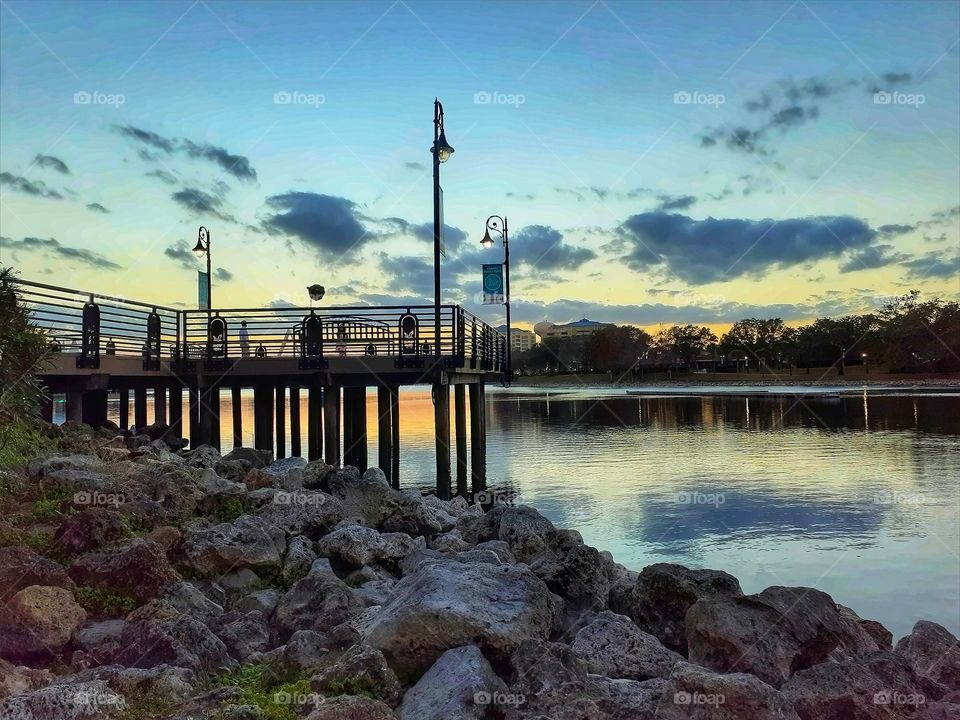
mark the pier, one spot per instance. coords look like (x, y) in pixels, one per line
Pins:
(104, 345)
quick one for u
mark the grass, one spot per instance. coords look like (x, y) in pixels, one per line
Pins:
(231, 509)
(20, 442)
(103, 603)
(275, 696)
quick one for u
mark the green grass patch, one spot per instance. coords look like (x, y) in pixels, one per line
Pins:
(103, 603)
(20, 442)
(277, 696)
(231, 509)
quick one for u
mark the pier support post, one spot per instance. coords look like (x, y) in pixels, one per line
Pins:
(263, 417)
(94, 408)
(140, 407)
(236, 413)
(395, 430)
(295, 421)
(74, 410)
(175, 405)
(355, 427)
(124, 409)
(385, 432)
(460, 422)
(195, 440)
(331, 423)
(441, 428)
(315, 412)
(280, 398)
(477, 452)
(160, 405)
(210, 415)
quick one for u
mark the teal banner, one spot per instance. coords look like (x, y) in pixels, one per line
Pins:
(493, 284)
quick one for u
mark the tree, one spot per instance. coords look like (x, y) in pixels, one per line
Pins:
(686, 342)
(759, 340)
(616, 347)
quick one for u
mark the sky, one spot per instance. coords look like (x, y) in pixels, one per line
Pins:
(658, 163)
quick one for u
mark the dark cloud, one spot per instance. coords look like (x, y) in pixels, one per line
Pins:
(236, 165)
(222, 274)
(97, 207)
(29, 187)
(55, 248)
(326, 223)
(453, 237)
(872, 257)
(199, 202)
(51, 162)
(414, 166)
(182, 255)
(675, 202)
(703, 251)
(582, 192)
(544, 248)
(408, 274)
(163, 176)
(894, 230)
(935, 265)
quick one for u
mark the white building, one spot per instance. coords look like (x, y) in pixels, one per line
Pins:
(579, 328)
(520, 340)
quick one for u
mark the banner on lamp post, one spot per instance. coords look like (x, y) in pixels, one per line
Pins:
(203, 296)
(493, 284)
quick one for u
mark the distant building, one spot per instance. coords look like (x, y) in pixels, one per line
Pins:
(520, 340)
(579, 328)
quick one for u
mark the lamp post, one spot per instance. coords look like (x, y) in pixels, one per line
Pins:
(499, 226)
(441, 153)
(866, 365)
(200, 249)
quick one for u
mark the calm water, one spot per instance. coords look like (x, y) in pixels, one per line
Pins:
(858, 496)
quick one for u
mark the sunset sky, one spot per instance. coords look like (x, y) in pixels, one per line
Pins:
(658, 162)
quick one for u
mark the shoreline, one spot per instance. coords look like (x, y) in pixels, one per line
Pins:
(235, 586)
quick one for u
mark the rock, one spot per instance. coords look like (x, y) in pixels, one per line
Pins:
(454, 688)
(772, 634)
(938, 711)
(446, 604)
(349, 707)
(284, 466)
(90, 529)
(203, 456)
(299, 558)
(249, 541)
(217, 492)
(371, 501)
(356, 546)
(262, 601)
(550, 681)
(235, 470)
(99, 633)
(933, 652)
(92, 700)
(318, 602)
(573, 570)
(167, 537)
(185, 597)
(308, 651)
(16, 680)
(696, 693)
(663, 594)
(361, 670)
(622, 583)
(375, 592)
(302, 512)
(173, 684)
(449, 542)
(613, 646)
(626, 699)
(315, 475)
(257, 480)
(883, 686)
(21, 567)
(255, 457)
(140, 570)
(38, 621)
(881, 636)
(244, 634)
(498, 548)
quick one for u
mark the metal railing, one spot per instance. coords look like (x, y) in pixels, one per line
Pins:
(91, 325)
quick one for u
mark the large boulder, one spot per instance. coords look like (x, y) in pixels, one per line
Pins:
(91, 700)
(21, 567)
(352, 707)
(445, 604)
(254, 457)
(90, 529)
(772, 634)
(933, 652)
(302, 512)
(694, 693)
(249, 541)
(318, 602)
(243, 633)
(613, 646)
(361, 670)
(881, 687)
(460, 685)
(203, 456)
(664, 592)
(38, 621)
(356, 546)
(547, 680)
(140, 570)
(369, 500)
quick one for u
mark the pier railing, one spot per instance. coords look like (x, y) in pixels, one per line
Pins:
(91, 325)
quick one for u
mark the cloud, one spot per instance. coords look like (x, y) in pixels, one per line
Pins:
(182, 255)
(410, 274)
(326, 223)
(875, 256)
(199, 202)
(51, 162)
(672, 202)
(29, 187)
(54, 247)
(97, 207)
(543, 248)
(415, 166)
(703, 251)
(236, 165)
(935, 265)
(453, 237)
(163, 176)
(222, 274)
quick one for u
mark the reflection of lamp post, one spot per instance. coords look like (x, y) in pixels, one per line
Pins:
(866, 365)
(843, 354)
(441, 153)
(494, 222)
(200, 249)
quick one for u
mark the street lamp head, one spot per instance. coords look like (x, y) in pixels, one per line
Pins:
(487, 241)
(199, 250)
(444, 150)
(316, 292)
(203, 242)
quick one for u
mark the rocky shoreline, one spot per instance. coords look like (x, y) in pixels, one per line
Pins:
(143, 581)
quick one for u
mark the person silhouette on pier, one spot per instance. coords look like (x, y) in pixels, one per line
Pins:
(244, 339)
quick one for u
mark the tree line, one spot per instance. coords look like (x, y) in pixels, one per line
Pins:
(904, 335)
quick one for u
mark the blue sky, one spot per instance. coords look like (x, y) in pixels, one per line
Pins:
(785, 186)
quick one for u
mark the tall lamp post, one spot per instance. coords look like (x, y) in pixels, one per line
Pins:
(200, 249)
(441, 153)
(499, 226)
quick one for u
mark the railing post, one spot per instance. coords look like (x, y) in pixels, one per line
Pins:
(90, 336)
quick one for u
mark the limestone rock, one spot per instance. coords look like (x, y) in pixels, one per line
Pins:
(38, 621)
(460, 685)
(140, 570)
(613, 646)
(362, 669)
(249, 541)
(933, 652)
(21, 567)
(318, 602)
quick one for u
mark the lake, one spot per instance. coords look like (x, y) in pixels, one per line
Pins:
(857, 495)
